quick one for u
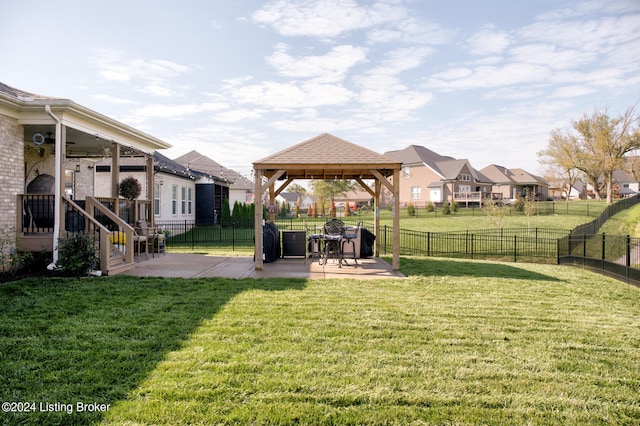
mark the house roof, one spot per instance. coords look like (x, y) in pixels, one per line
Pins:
(448, 168)
(502, 175)
(195, 161)
(523, 177)
(166, 165)
(416, 154)
(327, 157)
(91, 133)
(291, 197)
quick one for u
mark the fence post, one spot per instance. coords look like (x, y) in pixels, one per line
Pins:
(384, 239)
(603, 255)
(628, 262)
(428, 244)
(472, 246)
(515, 248)
(466, 243)
(233, 236)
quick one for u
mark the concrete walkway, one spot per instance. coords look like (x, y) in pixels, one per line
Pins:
(200, 266)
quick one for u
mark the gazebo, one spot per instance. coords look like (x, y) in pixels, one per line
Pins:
(327, 157)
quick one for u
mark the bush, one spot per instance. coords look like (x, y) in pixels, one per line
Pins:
(446, 209)
(454, 206)
(76, 256)
(411, 209)
(430, 207)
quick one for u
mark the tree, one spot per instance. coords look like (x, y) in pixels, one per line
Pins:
(495, 212)
(560, 158)
(294, 187)
(327, 190)
(598, 144)
(225, 213)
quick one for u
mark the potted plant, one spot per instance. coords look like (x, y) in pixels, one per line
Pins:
(130, 188)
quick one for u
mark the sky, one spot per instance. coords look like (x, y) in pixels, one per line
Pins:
(239, 80)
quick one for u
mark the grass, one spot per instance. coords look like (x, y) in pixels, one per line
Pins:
(457, 342)
(625, 222)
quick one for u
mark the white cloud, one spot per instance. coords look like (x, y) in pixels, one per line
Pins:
(325, 18)
(490, 77)
(178, 111)
(572, 91)
(112, 99)
(331, 67)
(402, 59)
(237, 115)
(488, 42)
(411, 30)
(271, 94)
(552, 56)
(113, 67)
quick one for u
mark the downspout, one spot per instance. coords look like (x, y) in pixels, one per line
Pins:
(58, 181)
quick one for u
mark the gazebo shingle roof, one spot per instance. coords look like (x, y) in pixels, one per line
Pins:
(327, 156)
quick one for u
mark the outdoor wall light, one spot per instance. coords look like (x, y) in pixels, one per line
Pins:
(77, 168)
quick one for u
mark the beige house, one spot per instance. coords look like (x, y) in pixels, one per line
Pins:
(430, 177)
(49, 148)
(509, 184)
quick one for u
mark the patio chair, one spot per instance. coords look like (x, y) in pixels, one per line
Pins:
(350, 238)
(333, 232)
(144, 236)
(313, 244)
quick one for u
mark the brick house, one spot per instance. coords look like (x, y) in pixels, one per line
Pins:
(49, 148)
(513, 183)
(430, 177)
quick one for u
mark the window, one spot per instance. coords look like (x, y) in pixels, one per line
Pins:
(415, 193)
(156, 199)
(465, 178)
(174, 199)
(464, 188)
(405, 172)
(189, 190)
(183, 200)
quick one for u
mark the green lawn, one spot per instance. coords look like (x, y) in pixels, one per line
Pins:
(457, 342)
(626, 222)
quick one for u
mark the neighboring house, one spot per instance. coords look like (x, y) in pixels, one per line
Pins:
(174, 191)
(49, 148)
(357, 197)
(430, 177)
(624, 185)
(239, 188)
(173, 188)
(513, 183)
(291, 198)
(179, 193)
(558, 190)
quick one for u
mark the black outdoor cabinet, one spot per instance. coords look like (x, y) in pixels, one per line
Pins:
(294, 243)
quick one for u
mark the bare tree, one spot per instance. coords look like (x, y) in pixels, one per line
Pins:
(560, 159)
(596, 145)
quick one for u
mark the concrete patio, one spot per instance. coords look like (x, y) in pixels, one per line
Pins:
(181, 265)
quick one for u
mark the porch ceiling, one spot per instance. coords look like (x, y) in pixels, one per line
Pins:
(79, 143)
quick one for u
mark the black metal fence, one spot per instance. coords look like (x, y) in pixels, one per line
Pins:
(505, 243)
(592, 227)
(613, 255)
